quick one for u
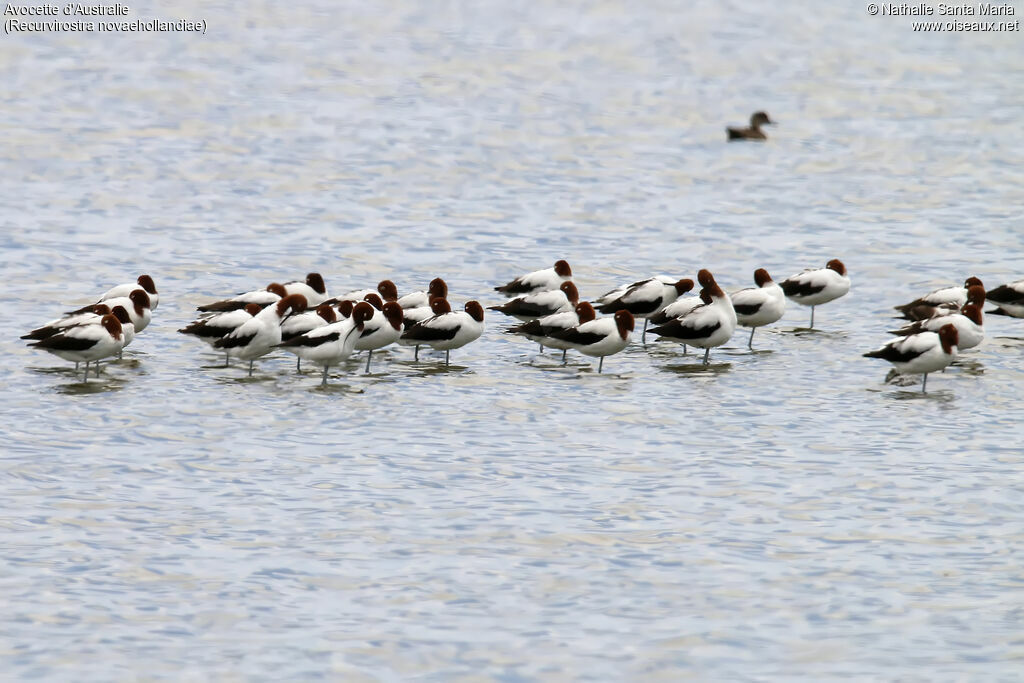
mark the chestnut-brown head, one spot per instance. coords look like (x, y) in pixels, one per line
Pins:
(972, 282)
(705, 295)
(585, 312)
(976, 295)
(374, 301)
(100, 309)
(388, 290)
(316, 281)
(571, 293)
(948, 337)
(761, 277)
(759, 118)
(146, 282)
(140, 299)
(345, 308)
(361, 313)
(121, 314)
(624, 321)
(439, 305)
(253, 309)
(327, 313)
(112, 325)
(715, 291)
(704, 277)
(475, 310)
(562, 269)
(973, 313)
(296, 303)
(836, 265)
(277, 288)
(437, 287)
(683, 286)
(393, 314)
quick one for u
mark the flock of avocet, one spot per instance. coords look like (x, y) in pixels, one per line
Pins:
(300, 317)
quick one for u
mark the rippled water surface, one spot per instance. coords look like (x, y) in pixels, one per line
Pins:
(779, 514)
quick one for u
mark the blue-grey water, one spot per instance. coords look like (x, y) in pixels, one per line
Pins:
(780, 514)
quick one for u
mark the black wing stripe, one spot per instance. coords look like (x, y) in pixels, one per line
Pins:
(636, 307)
(41, 333)
(319, 340)
(221, 306)
(205, 331)
(574, 336)
(747, 309)
(1004, 294)
(425, 333)
(893, 354)
(60, 342)
(232, 341)
(524, 308)
(83, 309)
(367, 330)
(675, 330)
(797, 288)
(514, 287)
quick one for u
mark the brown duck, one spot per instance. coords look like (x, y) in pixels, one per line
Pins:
(757, 119)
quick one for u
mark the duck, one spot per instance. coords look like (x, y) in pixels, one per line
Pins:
(754, 132)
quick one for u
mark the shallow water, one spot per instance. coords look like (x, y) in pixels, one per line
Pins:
(778, 514)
